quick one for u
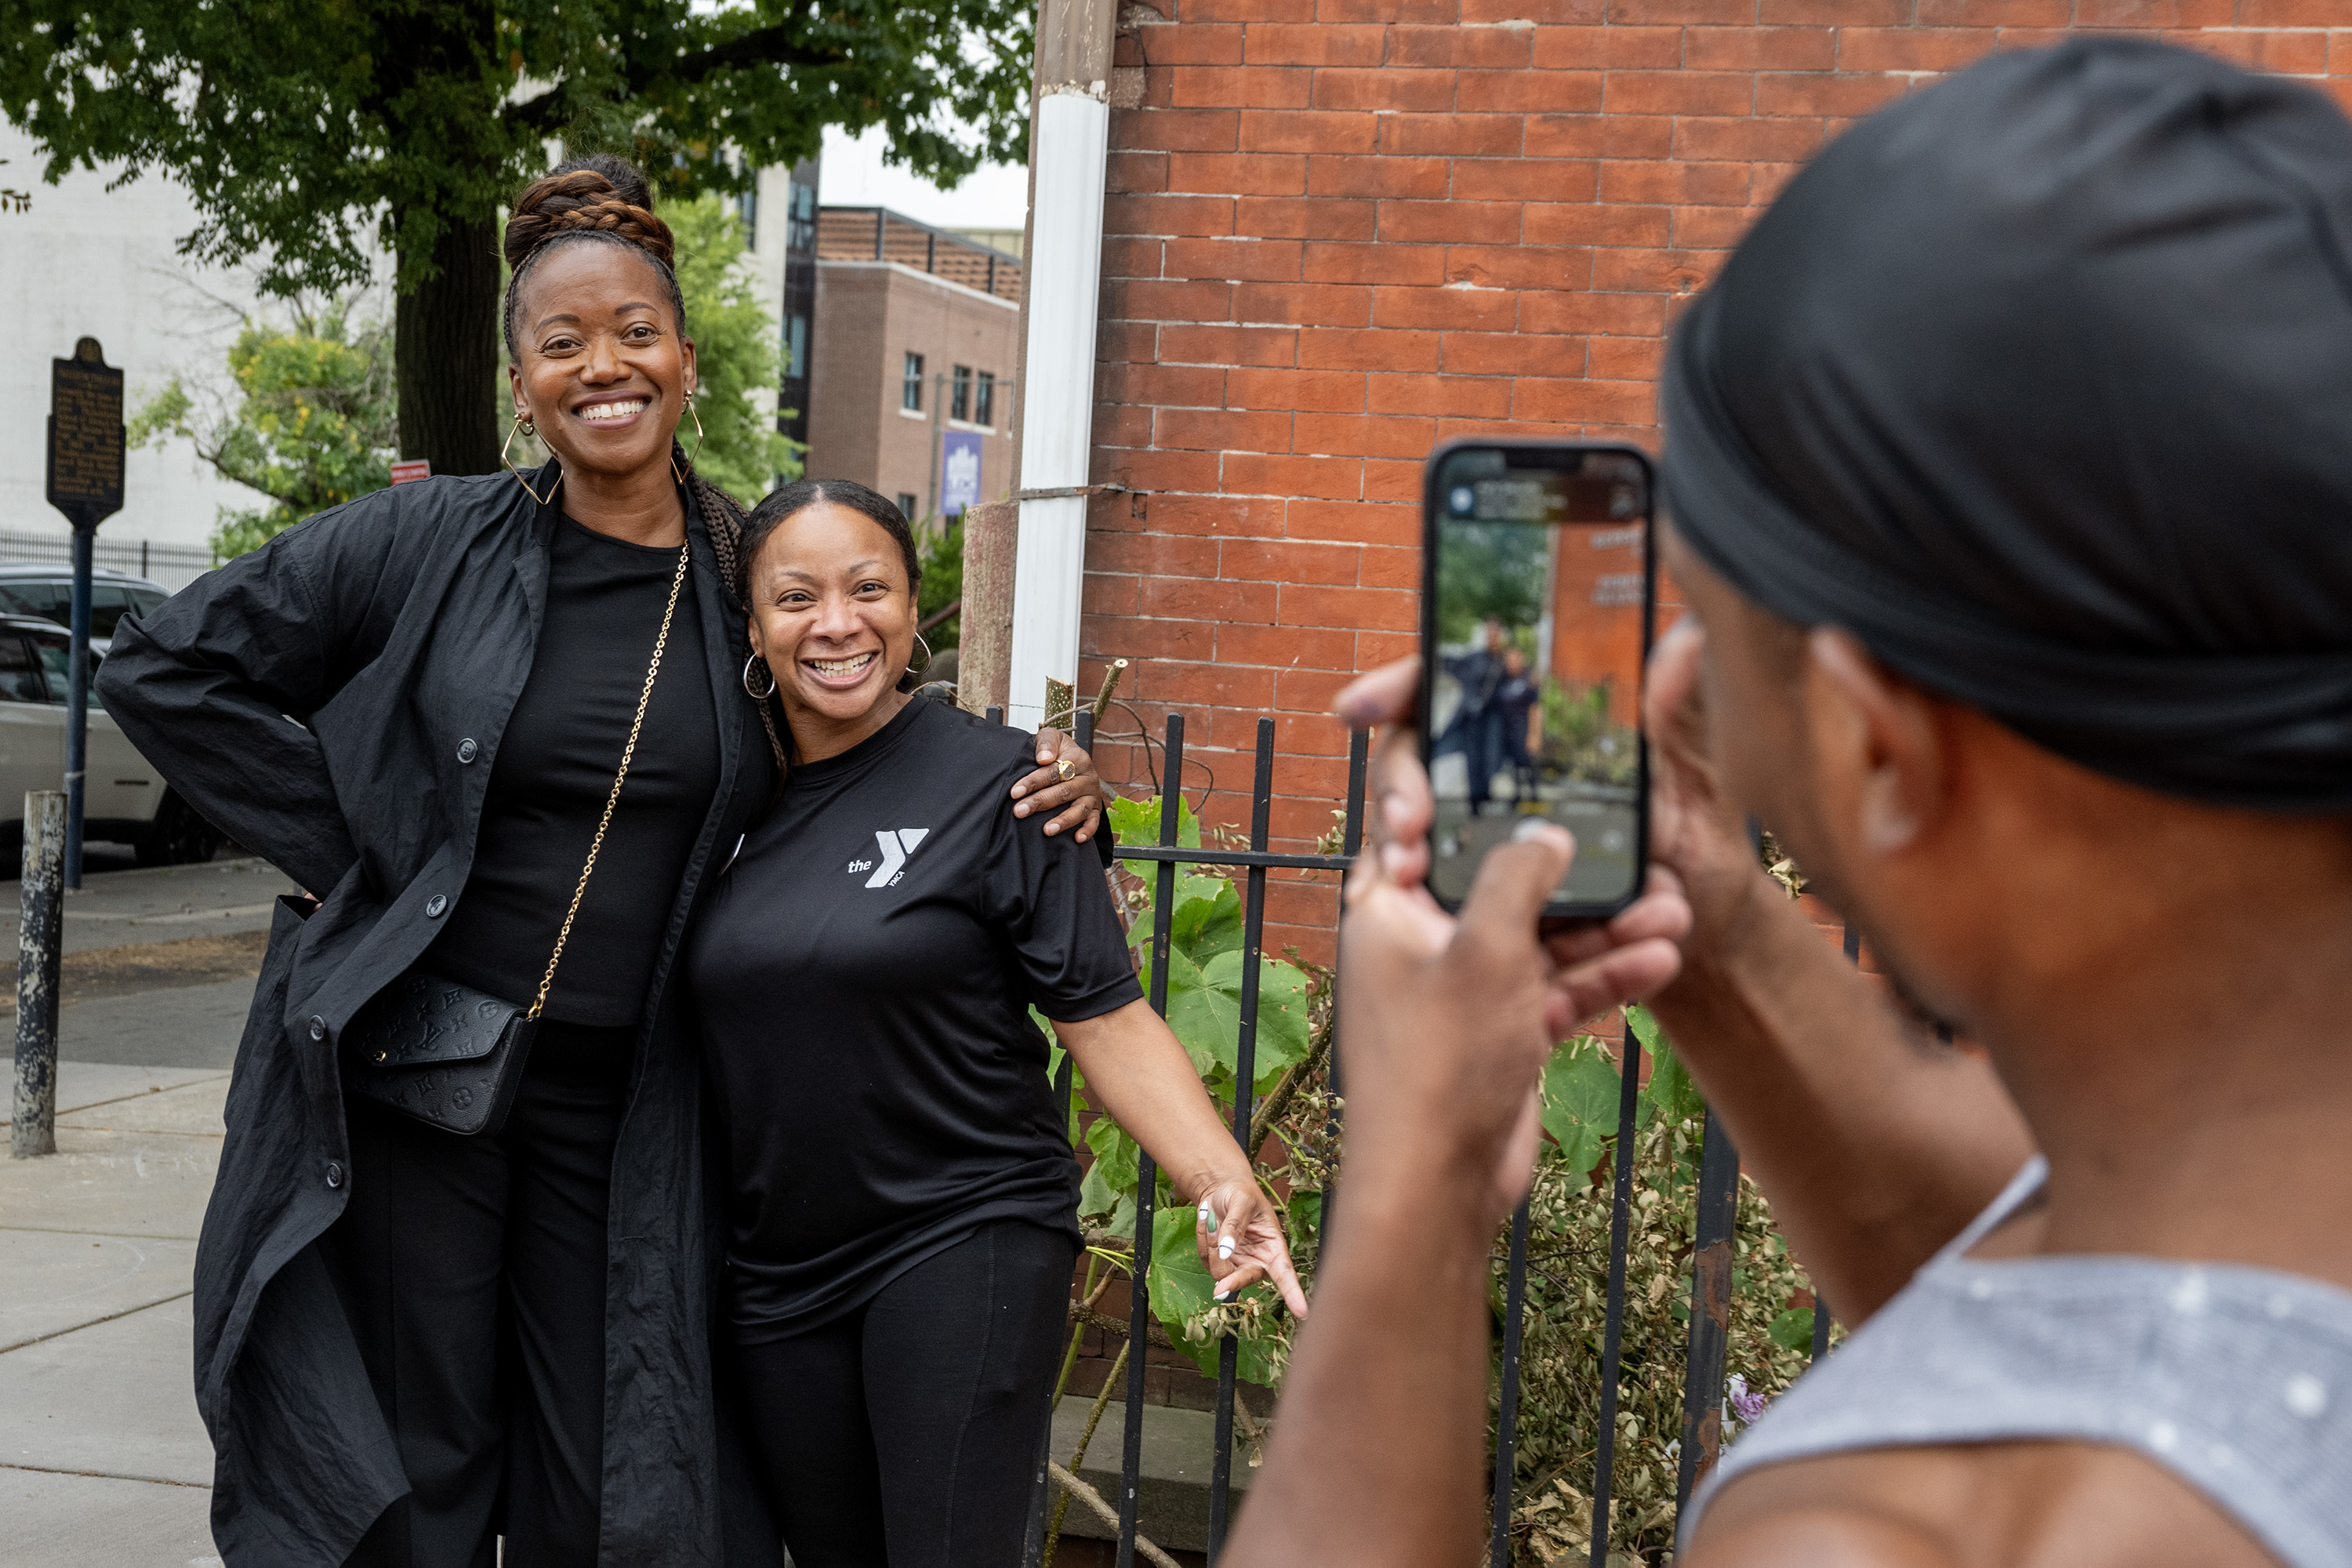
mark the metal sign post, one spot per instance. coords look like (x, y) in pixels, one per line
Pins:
(85, 483)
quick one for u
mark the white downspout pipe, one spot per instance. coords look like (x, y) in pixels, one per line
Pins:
(1064, 262)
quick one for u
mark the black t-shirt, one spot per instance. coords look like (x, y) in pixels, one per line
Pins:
(863, 976)
(553, 769)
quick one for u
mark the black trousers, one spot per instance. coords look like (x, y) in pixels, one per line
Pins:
(473, 1270)
(905, 1433)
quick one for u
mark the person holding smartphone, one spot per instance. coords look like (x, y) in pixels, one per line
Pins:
(902, 1209)
(2050, 698)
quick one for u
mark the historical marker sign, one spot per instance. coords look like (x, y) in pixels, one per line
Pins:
(85, 470)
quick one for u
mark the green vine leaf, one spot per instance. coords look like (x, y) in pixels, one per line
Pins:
(1580, 1088)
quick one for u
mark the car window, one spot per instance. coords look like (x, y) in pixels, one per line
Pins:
(20, 678)
(57, 662)
(108, 600)
(50, 601)
(145, 601)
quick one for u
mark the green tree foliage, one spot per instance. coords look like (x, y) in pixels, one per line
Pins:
(942, 585)
(1489, 571)
(310, 423)
(307, 133)
(735, 354)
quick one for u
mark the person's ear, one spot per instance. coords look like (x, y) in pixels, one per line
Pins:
(692, 377)
(514, 388)
(1878, 749)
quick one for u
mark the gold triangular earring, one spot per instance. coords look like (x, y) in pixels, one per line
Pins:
(524, 427)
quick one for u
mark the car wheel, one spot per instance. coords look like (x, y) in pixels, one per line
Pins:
(179, 836)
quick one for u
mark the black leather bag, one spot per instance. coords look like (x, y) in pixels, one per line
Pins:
(451, 1056)
(441, 1052)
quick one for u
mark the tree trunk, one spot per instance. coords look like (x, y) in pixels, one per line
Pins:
(445, 354)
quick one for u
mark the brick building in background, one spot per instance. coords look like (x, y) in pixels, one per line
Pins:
(1341, 231)
(917, 334)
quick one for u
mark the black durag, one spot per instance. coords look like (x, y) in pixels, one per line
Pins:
(2040, 383)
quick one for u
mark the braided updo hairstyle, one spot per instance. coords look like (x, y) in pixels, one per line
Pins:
(603, 200)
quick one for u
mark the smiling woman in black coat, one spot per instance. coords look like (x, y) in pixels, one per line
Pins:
(410, 1342)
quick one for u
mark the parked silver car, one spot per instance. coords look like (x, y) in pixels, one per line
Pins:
(46, 590)
(124, 800)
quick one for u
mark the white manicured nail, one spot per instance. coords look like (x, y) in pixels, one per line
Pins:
(1224, 1249)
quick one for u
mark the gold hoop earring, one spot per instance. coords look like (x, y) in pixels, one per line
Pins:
(524, 427)
(918, 668)
(763, 664)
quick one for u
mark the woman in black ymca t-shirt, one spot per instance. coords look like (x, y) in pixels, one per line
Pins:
(902, 1220)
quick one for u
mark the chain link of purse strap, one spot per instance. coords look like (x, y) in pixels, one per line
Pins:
(645, 699)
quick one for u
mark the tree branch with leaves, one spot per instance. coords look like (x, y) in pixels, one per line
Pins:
(315, 139)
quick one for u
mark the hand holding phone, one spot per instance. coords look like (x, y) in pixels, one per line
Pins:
(1537, 577)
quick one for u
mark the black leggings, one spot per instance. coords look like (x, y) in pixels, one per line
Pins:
(905, 1433)
(473, 1270)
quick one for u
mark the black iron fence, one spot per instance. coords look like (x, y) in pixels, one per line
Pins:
(1712, 1247)
(173, 566)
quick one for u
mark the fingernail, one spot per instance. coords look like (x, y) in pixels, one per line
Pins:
(1221, 1295)
(1208, 1215)
(1224, 1249)
(1533, 827)
(1392, 859)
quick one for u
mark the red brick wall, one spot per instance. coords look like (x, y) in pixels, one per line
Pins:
(1341, 230)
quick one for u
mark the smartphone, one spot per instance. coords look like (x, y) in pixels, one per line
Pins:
(1536, 587)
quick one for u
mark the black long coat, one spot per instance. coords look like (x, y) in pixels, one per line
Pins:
(310, 700)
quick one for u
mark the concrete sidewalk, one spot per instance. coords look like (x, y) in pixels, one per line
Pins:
(102, 1459)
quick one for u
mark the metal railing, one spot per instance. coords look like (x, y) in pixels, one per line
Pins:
(173, 566)
(878, 234)
(1716, 1198)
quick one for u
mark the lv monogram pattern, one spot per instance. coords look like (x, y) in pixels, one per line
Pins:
(421, 1019)
(444, 1053)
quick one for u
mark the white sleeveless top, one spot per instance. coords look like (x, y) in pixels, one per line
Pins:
(2237, 1380)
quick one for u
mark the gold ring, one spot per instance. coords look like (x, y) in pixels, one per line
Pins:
(1065, 770)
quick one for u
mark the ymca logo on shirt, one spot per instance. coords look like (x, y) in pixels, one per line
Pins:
(895, 844)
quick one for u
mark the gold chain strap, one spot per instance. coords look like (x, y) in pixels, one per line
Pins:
(645, 699)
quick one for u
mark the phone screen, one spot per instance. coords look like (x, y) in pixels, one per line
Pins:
(1535, 624)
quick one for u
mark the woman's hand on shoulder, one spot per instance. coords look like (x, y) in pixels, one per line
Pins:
(1239, 1234)
(1065, 777)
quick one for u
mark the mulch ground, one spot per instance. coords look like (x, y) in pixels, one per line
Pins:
(150, 966)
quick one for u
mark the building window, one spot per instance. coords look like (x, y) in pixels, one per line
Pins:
(910, 387)
(906, 505)
(959, 394)
(796, 363)
(747, 213)
(984, 400)
(799, 217)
